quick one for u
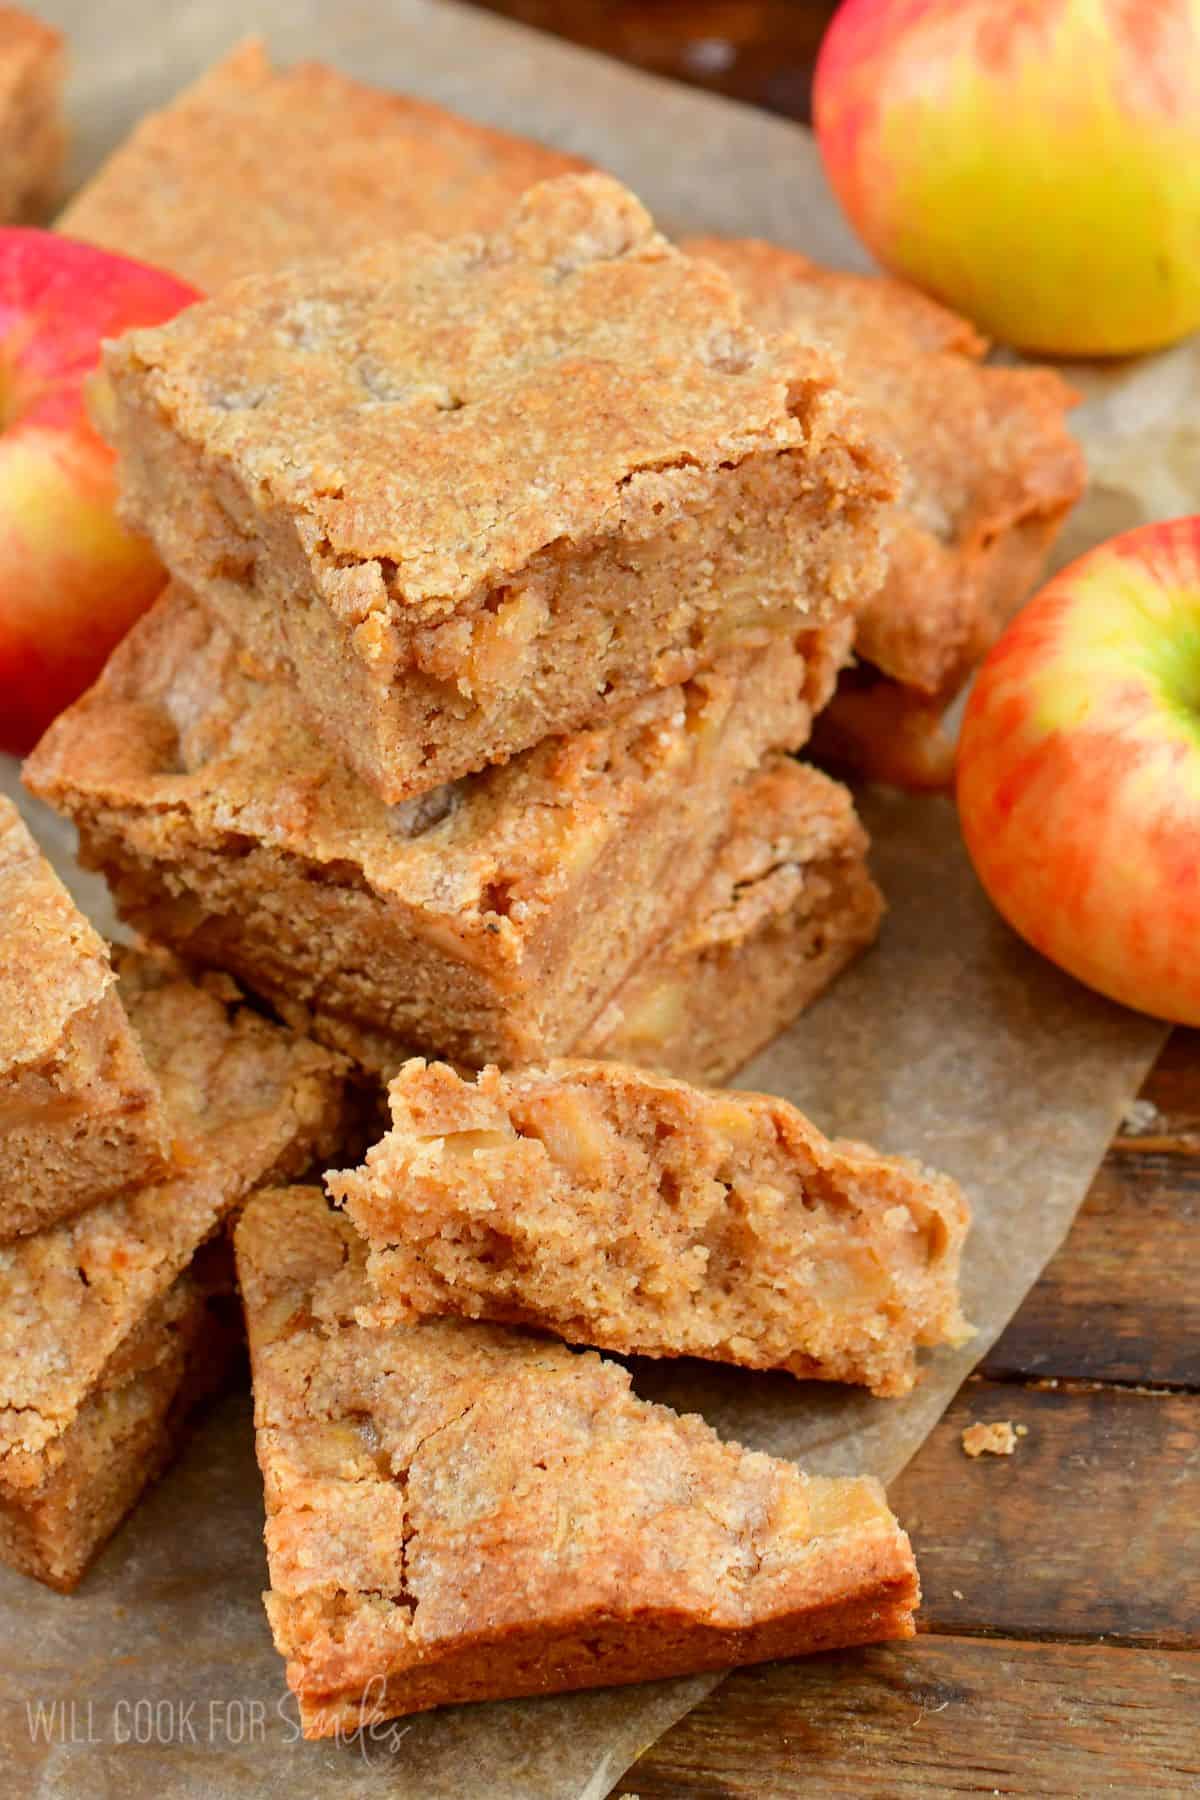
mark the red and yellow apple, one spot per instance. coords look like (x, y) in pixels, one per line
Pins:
(1033, 163)
(72, 579)
(1078, 770)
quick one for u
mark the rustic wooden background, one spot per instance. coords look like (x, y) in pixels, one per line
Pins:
(1060, 1644)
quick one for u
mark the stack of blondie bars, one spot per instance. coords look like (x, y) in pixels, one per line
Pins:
(513, 552)
(506, 571)
(322, 164)
(139, 1107)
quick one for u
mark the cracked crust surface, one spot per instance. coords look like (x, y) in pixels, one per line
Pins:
(548, 469)
(988, 473)
(621, 1541)
(249, 1102)
(319, 164)
(787, 904)
(81, 1116)
(490, 920)
(32, 135)
(636, 1213)
(126, 1430)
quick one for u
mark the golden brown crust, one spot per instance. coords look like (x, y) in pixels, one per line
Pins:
(492, 920)
(248, 1102)
(621, 1542)
(548, 469)
(81, 1116)
(990, 470)
(52, 963)
(633, 1212)
(123, 1436)
(319, 164)
(33, 137)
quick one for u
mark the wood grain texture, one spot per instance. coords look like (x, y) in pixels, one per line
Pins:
(760, 51)
(943, 1716)
(1121, 1302)
(1087, 1530)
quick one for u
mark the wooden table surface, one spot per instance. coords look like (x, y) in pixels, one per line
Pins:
(1059, 1651)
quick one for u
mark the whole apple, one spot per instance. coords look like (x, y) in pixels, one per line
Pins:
(1033, 163)
(1079, 770)
(72, 579)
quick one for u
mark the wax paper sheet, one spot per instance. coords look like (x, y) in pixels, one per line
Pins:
(952, 1041)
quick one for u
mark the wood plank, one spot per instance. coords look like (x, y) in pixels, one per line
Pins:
(938, 1717)
(1117, 1303)
(1087, 1530)
(1173, 1088)
(760, 51)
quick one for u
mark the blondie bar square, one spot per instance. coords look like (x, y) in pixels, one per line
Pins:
(471, 492)
(81, 1116)
(635, 1213)
(491, 919)
(83, 1305)
(787, 904)
(319, 164)
(59, 1507)
(988, 473)
(32, 136)
(619, 1541)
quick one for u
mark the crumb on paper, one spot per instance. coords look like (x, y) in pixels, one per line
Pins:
(1139, 1117)
(996, 1439)
(957, 1592)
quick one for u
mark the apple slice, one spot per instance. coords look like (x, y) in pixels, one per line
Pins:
(72, 579)
(1079, 771)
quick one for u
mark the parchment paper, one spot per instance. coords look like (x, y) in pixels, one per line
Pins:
(951, 1040)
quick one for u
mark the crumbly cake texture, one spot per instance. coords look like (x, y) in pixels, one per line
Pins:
(83, 1304)
(989, 472)
(620, 1541)
(319, 163)
(787, 904)
(81, 1116)
(472, 491)
(490, 920)
(32, 135)
(624, 1209)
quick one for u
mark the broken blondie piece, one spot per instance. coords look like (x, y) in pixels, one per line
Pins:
(988, 474)
(97, 1324)
(630, 1211)
(465, 493)
(318, 164)
(457, 1512)
(787, 904)
(491, 919)
(81, 1116)
(33, 139)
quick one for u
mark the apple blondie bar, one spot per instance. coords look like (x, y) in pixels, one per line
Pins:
(95, 1324)
(620, 1542)
(636, 1213)
(787, 904)
(252, 167)
(488, 920)
(468, 492)
(32, 135)
(988, 473)
(81, 1116)
(58, 1507)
